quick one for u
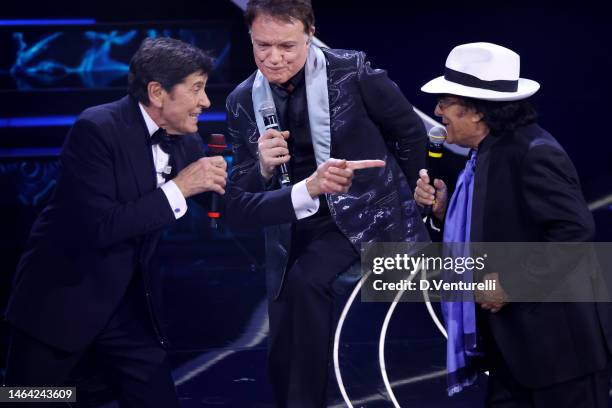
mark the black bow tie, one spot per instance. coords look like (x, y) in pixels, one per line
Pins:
(169, 144)
(164, 140)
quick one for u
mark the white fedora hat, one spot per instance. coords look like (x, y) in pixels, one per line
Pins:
(483, 71)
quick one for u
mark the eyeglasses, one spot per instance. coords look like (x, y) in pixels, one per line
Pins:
(444, 103)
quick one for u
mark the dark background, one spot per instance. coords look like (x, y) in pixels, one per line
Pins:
(565, 47)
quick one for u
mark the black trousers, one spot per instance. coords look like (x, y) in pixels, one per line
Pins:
(303, 318)
(589, 391)
(127, 349)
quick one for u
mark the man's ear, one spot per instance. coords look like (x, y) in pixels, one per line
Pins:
(155, 92)
(311, 33)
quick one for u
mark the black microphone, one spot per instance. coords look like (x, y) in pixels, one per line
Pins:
(216, 147)
(437, 136)
(268, 111)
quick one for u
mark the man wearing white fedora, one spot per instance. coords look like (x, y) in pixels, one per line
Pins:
(519, 185)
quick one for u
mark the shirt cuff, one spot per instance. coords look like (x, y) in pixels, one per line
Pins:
(175, 198)
(303, 204)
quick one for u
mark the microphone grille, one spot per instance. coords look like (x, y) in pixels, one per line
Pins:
(267, 108)
(216, 144)
(217, 139)
(437, 135)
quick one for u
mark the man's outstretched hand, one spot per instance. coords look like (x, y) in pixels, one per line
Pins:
(336, 175)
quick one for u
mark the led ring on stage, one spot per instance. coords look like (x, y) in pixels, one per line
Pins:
(382, 337)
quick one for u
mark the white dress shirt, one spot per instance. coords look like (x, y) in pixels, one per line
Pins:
(160, 159)
(303, 204)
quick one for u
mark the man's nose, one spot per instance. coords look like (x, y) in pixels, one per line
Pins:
(276, 56)
(438, 111)
(204, 101)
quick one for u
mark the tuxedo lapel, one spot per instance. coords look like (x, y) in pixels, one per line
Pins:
(178, 157)
(135, 143)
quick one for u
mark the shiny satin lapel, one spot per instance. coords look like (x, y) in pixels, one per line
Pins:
(317, 97)
(260, 93)
(135, 144)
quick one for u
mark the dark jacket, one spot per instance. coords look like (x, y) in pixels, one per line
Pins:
(102, 223)
(527, 190)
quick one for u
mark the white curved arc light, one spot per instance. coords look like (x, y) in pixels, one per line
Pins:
(382, 338)
(430, 309)
(381, 345)
(337, 334)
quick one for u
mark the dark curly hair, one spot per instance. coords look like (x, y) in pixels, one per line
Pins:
(167, 61)
(502, 117)
(285, 10)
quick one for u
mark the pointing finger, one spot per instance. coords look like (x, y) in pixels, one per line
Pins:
(364, 164)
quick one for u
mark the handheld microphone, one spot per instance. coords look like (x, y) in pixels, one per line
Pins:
(268, 111)
(216, 147)
(437, 136)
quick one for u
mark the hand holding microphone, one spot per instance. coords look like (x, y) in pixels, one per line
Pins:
(430, 191)
(205, 174)
(273, 151)
(436, 196)
(272, 145)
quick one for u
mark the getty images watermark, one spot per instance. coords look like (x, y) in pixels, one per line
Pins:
(413, 264)
(524, 272)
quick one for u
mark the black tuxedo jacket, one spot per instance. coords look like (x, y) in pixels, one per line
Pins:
(100, 226)
(527, 190)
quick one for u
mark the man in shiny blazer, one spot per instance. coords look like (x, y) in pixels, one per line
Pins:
(352, 145)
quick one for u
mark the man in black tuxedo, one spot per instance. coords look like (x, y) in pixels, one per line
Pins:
(519, 185)
(81, 287)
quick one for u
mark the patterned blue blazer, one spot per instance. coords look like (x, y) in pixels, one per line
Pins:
(370, 119)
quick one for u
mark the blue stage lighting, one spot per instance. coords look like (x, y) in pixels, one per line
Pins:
(46, 22)
(52, 121)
